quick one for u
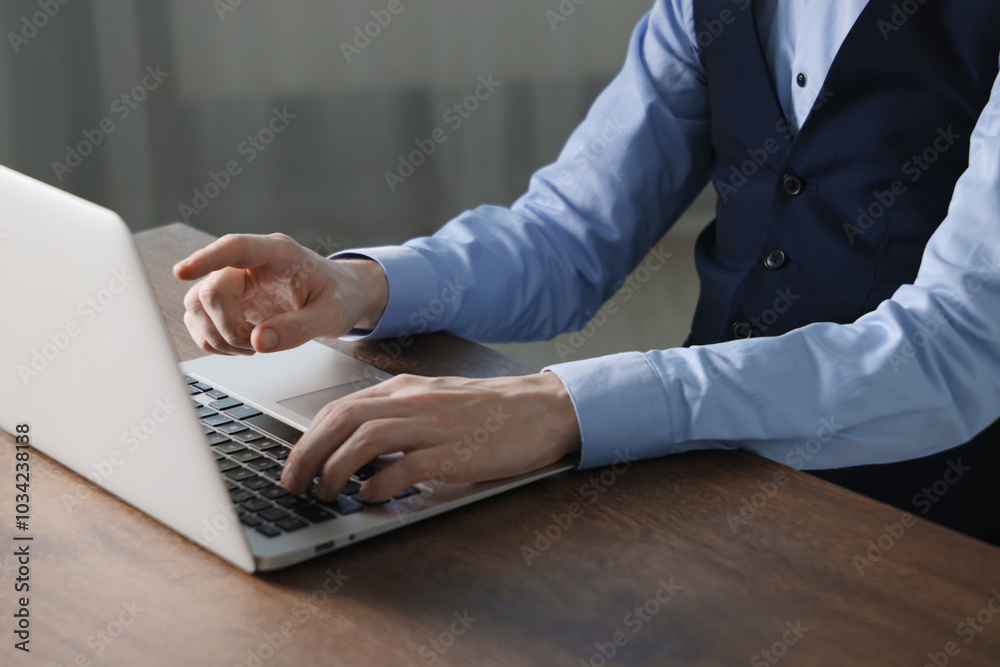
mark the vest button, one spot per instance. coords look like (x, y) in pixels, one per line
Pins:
(775, 259)
(801, 80)
(743, 330)
(792, 184)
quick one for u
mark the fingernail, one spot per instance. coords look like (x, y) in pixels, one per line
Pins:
(288, 479)
(268, 339)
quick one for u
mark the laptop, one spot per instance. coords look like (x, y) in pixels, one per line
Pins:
(89, 369)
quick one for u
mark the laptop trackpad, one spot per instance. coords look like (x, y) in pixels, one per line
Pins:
(307, 405)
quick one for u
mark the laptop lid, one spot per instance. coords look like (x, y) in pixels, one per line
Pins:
(88, 365)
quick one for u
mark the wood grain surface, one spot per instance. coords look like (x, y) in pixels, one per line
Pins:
(646, 560)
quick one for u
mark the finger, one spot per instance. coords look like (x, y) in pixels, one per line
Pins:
(244, 251)
(369, 441)
(196, 327)
(330, 428)
(203, 329)
(415, 466)
(226, 319)
(287, 330)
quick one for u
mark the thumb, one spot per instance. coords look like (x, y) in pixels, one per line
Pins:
(286, 330)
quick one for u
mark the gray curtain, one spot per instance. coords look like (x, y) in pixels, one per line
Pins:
(362, 88)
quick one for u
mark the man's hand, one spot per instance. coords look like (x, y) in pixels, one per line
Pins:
(268, 293)
(466, 430)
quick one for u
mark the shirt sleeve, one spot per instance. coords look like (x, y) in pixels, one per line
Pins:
(918, 375)
(547, 263)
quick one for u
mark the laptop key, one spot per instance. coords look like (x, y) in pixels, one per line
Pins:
(293, 502)
(273, 491)
(232, 427)
(270, 531)
(342, 505)
(280, 453)
(250, 520)
(205, 412)
(290, 524)
(239, 495)
(217, 438)
(216, 420)
(406, 493)
(260, 463)
(242, 412)
(239, 474)
(229, 447)
(202, 386)
(351, 488)
(207, 429)
(255, 504)
(225, 404)
(272, 514)
(314, 514)
(256, 482)
(247, 436)
(216, 394)
(189, 379)
(225, 465)
(278, 429)
(193, 390)
(246, 456)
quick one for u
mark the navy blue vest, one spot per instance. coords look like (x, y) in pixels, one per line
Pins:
(824, 224)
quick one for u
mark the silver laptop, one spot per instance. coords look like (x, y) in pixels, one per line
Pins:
(88, 367)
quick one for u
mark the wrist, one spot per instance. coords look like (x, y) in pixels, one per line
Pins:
(562, 412)
(374, 288)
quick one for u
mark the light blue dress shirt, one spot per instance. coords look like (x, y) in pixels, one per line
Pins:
(918, 375)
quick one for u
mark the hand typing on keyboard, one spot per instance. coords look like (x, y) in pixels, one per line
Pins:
(267, 293)
(458, 429)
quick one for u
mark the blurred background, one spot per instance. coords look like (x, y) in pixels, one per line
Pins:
(141, 106)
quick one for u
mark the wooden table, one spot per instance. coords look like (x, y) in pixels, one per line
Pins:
(655, 569)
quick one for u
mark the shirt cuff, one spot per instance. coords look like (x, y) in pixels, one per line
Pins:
(411, 280)
(621, 405)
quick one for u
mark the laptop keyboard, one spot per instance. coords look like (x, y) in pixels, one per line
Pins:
(250, 449)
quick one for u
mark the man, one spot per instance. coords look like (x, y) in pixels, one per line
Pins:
(851, 144)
